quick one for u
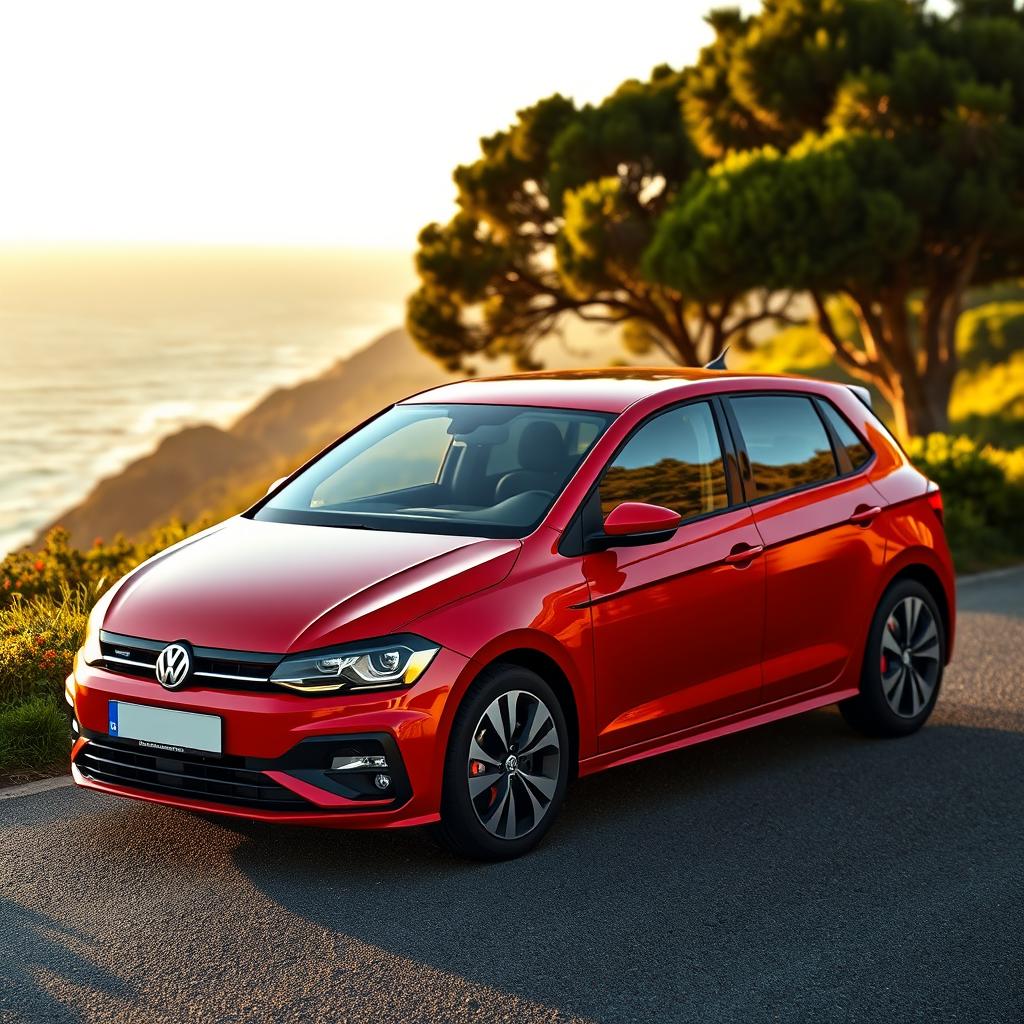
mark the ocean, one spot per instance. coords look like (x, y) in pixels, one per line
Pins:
(105, 352)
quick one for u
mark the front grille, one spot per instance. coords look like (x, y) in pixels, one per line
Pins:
(220, 669)
(224, 780)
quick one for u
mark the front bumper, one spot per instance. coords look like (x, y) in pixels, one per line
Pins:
(278, 750)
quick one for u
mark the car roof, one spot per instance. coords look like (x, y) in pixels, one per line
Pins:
(610, 389)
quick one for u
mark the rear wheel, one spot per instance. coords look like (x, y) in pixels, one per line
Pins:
(903, 664)
(507, 766)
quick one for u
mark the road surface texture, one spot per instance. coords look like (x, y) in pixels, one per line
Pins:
(792, 873)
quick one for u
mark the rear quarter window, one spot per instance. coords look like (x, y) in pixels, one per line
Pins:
(856, 449)
(786, 442)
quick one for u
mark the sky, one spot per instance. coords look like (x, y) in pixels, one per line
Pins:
(294, 122)
(288, 123)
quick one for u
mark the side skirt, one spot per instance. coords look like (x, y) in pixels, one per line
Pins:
(700, 733)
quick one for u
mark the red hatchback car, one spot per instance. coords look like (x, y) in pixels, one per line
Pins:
(499, 584)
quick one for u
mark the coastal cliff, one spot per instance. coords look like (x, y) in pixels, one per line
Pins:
(206, 471)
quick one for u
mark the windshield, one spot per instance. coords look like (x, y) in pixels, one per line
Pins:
(472, 470)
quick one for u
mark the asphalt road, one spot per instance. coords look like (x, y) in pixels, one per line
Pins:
(792, 873)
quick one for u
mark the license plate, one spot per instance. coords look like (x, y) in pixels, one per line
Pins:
(163, 729)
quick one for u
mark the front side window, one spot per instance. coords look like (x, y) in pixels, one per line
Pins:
(470, 470)
(785, 441)
(674, 460)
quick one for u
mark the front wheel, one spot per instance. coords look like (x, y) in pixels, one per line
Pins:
(507, 766)
(903, 663)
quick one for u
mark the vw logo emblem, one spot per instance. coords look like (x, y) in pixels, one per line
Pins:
(173, 665)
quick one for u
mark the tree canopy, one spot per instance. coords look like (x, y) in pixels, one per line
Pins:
(554, 219)
(887, 173)
(868, 154)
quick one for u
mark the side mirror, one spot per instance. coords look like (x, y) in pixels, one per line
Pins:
(636, 519)
(277, 483)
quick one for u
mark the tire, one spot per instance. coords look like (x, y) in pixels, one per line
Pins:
(506, 767)
(900, 680)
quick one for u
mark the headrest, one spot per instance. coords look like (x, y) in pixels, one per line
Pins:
(541, 447)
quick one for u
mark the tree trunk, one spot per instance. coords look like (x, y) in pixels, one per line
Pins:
(916, 380)
(925, 410)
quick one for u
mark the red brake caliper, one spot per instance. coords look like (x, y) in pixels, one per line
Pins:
(479, 768)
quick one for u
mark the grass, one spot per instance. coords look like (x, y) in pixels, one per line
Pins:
(34, 737)
(38, 640)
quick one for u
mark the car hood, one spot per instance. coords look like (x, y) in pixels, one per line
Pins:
(281, 587)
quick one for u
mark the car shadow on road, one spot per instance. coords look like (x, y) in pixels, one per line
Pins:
(38, 952)
(791, 872)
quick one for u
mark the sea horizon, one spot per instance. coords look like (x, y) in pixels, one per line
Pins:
(108, 349)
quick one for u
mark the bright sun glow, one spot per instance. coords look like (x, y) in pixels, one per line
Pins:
(300, 122)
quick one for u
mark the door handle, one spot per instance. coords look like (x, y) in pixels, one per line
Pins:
(743, 553)
(865, 514)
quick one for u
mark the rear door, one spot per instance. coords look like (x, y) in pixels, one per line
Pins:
(677, 624)
(814, 509)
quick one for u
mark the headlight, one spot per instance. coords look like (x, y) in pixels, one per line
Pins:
(378, 665)
(91, 653)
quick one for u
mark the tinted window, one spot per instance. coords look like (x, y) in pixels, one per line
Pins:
(786, 442)
(674, 460)
(857, 450)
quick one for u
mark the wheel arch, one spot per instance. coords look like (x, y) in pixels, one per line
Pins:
(924, 574)
(552, 673)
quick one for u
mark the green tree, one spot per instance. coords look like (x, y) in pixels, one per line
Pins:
(871, 154)
(553, 221)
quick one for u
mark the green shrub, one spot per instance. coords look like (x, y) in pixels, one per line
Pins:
(57, 566)
(983, 498)
(45, 599)
(38, 640)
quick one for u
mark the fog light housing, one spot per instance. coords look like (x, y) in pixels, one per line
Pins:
(358, 762)
(353, 766)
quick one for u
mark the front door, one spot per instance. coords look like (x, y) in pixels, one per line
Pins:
(678, 625)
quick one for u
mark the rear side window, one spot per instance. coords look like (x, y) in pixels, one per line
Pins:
(785, 440)
(674, 460)
(858, 451)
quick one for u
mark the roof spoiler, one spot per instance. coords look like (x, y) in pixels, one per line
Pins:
(862, 393)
